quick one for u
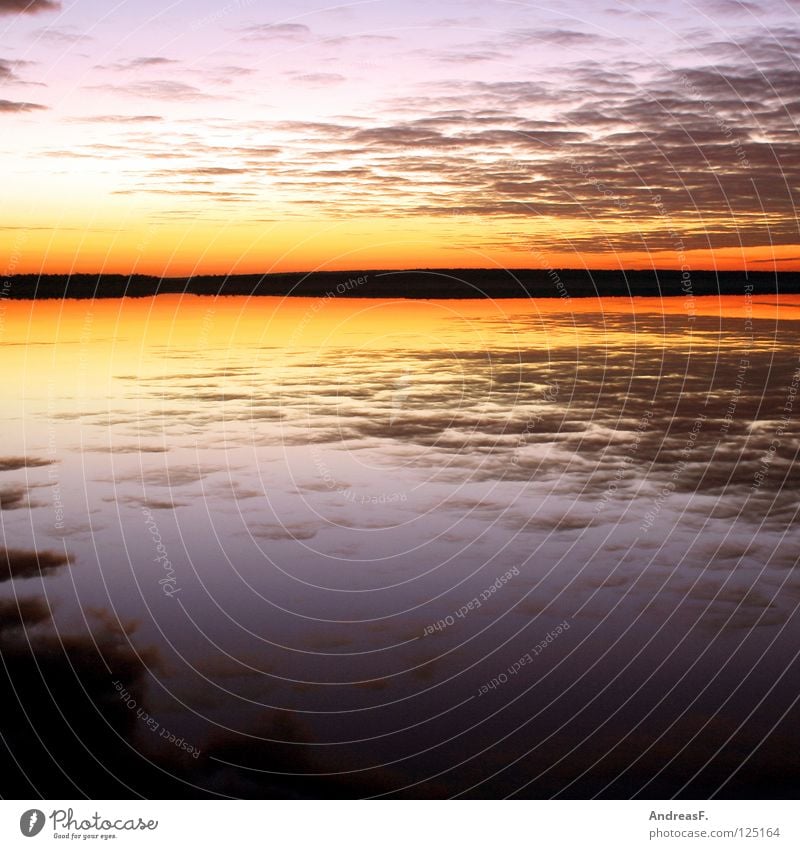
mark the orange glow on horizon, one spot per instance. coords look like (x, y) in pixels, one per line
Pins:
(296, 247)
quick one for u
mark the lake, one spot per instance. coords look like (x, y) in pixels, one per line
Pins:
(314, 548)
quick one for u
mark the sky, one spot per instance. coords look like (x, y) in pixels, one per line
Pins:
(232, 136)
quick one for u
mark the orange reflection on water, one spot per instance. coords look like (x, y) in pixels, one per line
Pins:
(183, 319)
(83, 343)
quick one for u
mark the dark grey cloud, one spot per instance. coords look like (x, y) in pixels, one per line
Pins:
(18, 564)
(17, 496)
(19, 106)
(12, 464)
(127, 449)
(28, 7)
(139, 63)
(8, 71)
(277, 533)
(709, 140)
(19, 613)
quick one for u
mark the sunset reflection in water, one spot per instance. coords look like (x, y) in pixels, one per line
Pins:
(306, 535)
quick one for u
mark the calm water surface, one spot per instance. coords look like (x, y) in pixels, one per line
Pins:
(314, 548)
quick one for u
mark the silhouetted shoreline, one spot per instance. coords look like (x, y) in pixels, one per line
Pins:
(413, 284)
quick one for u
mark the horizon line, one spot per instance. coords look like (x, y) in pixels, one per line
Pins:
(410, 269)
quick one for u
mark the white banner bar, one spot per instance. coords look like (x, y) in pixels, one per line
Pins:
(401, 824)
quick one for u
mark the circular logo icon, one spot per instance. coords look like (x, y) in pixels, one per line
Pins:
(31, 822)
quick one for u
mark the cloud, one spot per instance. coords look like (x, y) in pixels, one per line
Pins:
(8, 69)
(128, 449)
(276, 533)
(273, 32)
(12, 464)
(18, 564)
(17, 496)
(138, 63)
(156, 89)
(28, 7)
(349, 40)
(22, 613)
(116, 119)
(62, 35)
(711, 138)
(561, 37)
(19, 106)
(62, 705)
(226, 74)
(466, 57)
(150, 503)
(734, 7)
(212, 171)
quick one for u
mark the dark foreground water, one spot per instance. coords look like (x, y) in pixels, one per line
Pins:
(311, 548)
